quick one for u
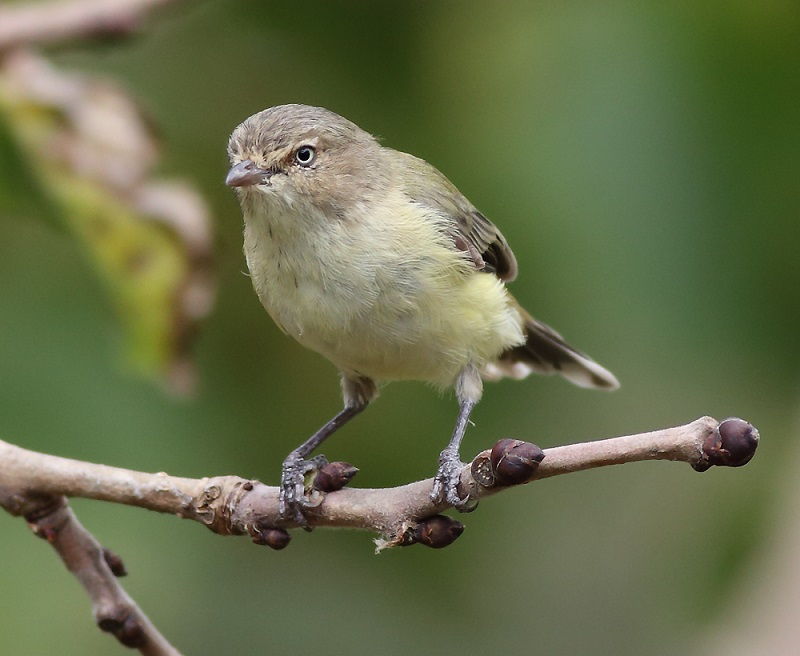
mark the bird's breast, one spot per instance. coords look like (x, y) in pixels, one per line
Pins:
(384, 297)
(312, 278)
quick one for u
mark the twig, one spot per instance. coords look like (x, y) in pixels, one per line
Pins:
(59, 20)
(51, 518)
(36, 485)
(230, 505)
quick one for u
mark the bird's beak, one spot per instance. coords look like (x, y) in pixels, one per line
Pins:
(246, 174)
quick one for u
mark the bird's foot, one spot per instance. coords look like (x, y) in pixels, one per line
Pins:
(446, 481)
(295, 493)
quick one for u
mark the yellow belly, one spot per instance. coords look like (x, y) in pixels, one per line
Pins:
(392, 303)
(432, 339)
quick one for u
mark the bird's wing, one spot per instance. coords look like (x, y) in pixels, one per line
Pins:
(470, 230)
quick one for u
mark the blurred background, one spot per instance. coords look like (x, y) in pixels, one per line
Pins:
(641, 159)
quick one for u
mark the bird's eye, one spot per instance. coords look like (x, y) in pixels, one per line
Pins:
(305, 155)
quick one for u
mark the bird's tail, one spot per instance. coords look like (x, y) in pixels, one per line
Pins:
(546, 352)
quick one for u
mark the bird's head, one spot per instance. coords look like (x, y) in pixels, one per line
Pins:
(296, 155)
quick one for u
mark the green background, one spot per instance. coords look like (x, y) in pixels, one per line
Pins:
(641, 159)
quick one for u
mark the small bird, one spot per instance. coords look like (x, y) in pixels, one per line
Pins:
(375, 260)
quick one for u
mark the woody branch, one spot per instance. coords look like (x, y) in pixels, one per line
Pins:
(50, 517)
(231, 505)
(36, 486)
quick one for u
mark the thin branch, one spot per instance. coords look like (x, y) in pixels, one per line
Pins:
(59, 20)
(51, 518)
(36, 485)
(230, 505)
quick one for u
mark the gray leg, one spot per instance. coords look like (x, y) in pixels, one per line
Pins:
(469, 387)
(357, 395)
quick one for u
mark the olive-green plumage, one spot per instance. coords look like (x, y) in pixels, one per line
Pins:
(374, 259)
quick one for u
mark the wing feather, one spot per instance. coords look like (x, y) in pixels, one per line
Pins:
(470, 230)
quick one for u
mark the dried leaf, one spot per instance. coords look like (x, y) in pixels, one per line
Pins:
(83, 146)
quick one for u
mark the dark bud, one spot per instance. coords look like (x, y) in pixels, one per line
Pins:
(247, 485)
(334, 476)
(436, 532)
(732, 444)
(131, 634)
(515, 461)
(274, 538)
(114, 563)
(126, 629)
(110, 624)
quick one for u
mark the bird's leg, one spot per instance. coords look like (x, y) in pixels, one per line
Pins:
(469, 387)
(445, 484)
(357, 395)
(295, 467)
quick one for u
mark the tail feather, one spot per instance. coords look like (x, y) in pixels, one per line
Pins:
(546, 352)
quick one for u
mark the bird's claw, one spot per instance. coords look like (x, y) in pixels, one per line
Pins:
(446, 481)
(293, 497)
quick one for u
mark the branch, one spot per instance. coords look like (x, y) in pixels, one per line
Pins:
(96, 568)
(59, 20)
(230, 505)
(36, 485)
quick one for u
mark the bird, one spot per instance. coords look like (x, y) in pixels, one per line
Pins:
(372, 258)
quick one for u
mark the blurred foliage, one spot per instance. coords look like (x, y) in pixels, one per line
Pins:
(20, 193)
(641, 159)
(80, 148)
(139, 262)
